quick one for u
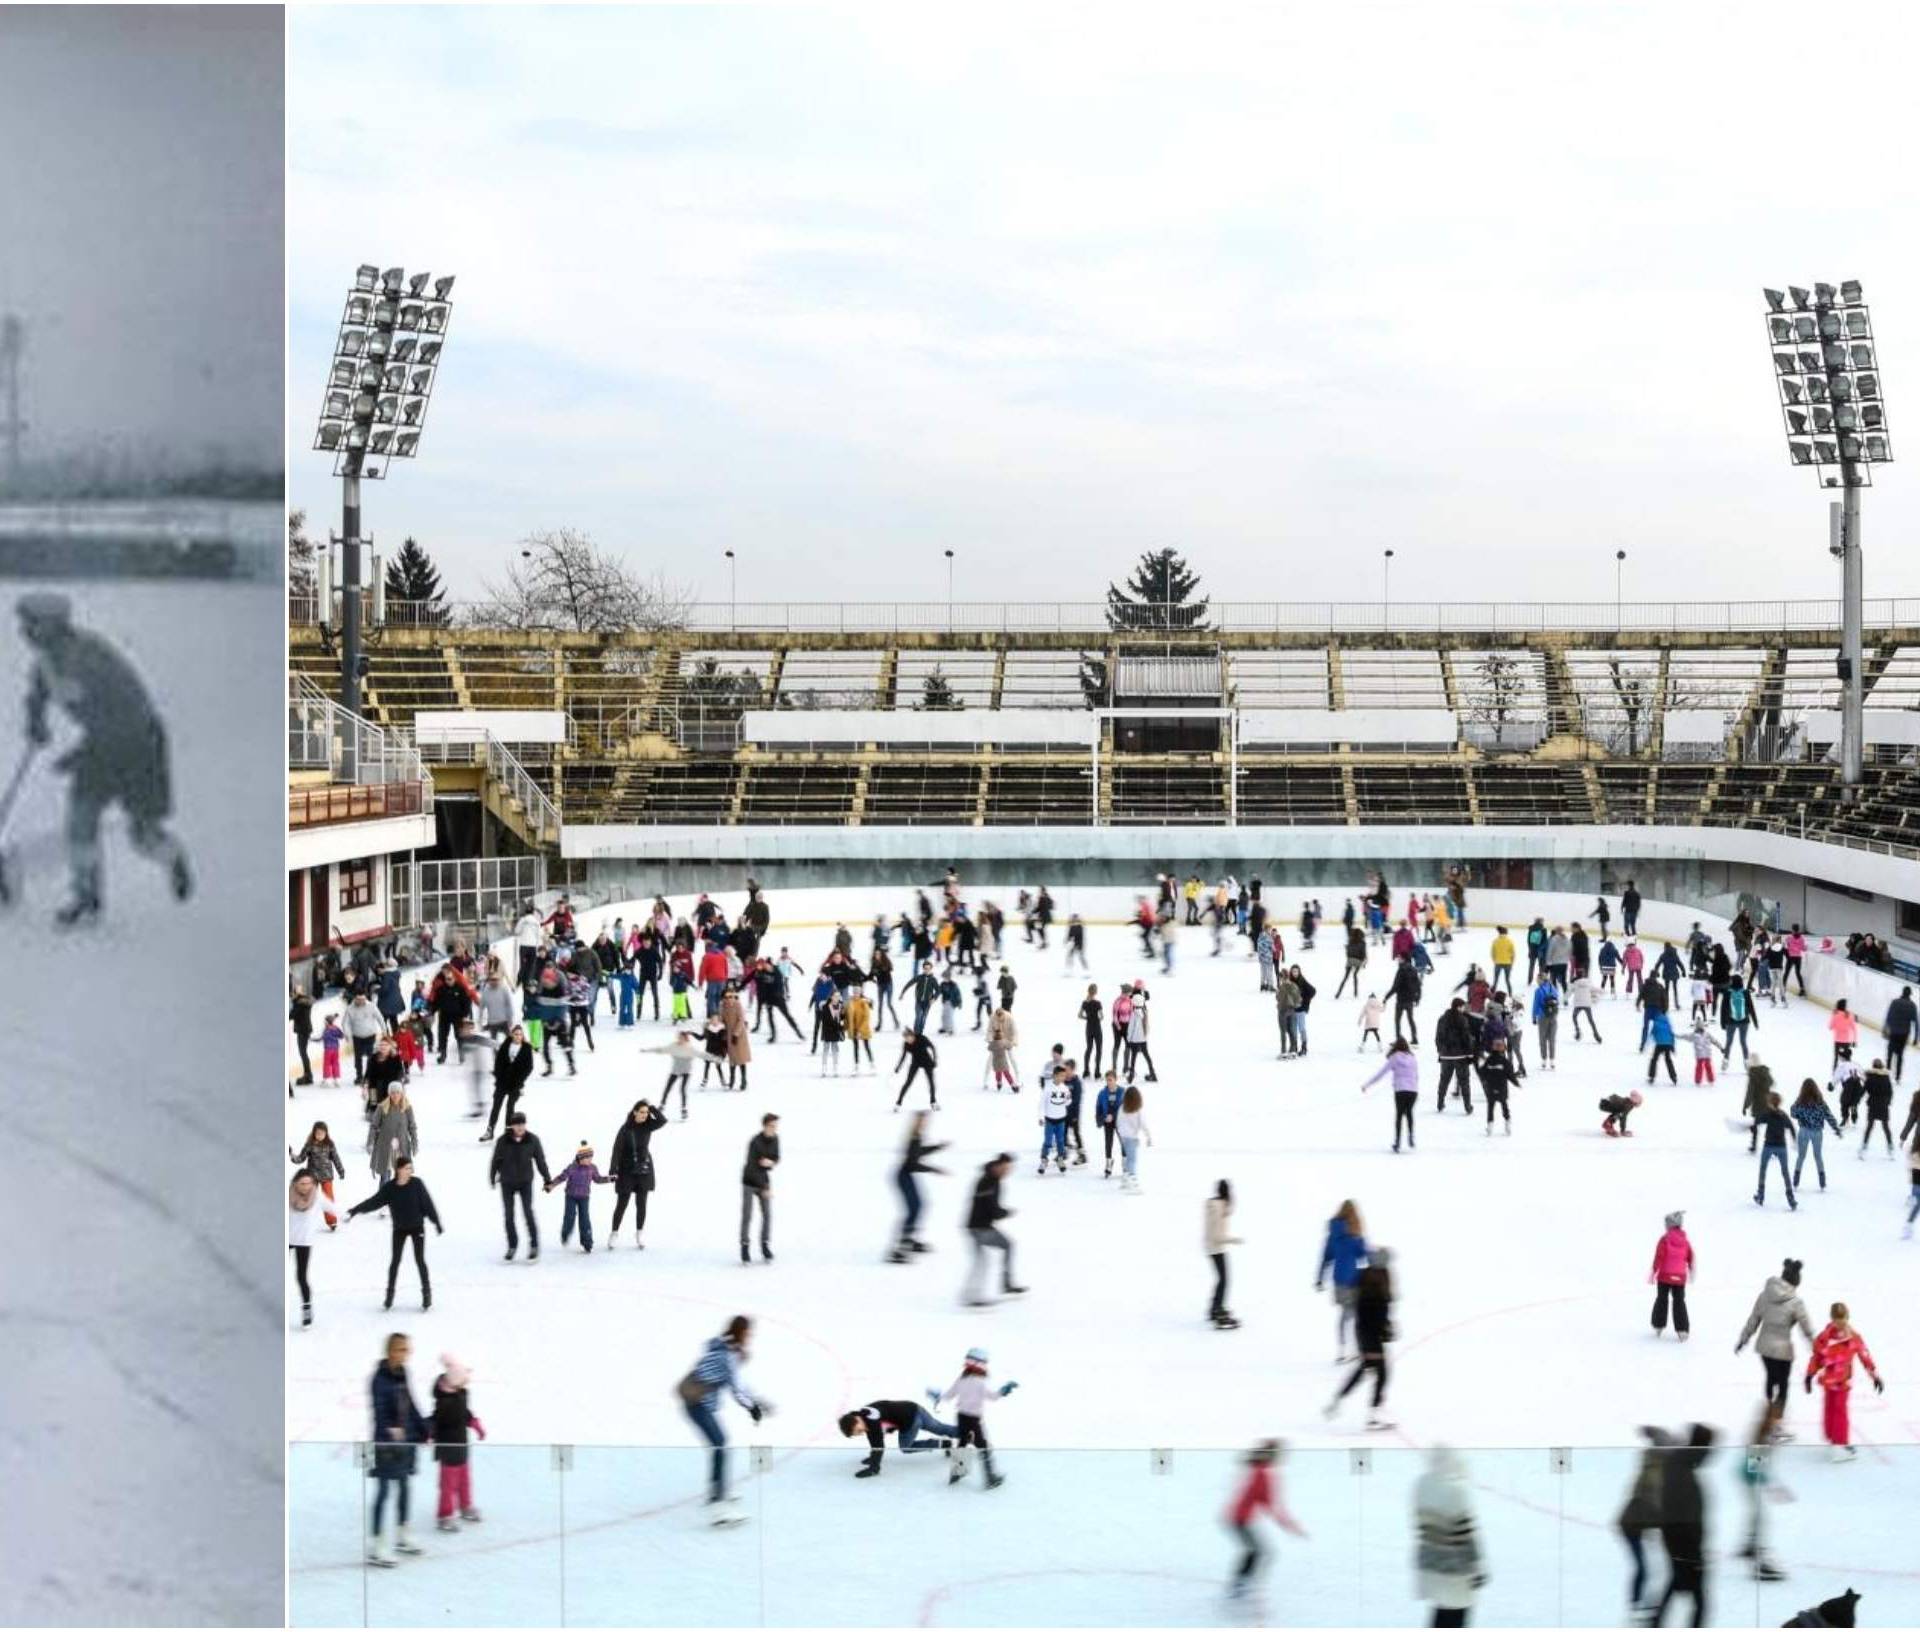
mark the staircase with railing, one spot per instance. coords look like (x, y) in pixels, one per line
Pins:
(505, 785)
(344, 768)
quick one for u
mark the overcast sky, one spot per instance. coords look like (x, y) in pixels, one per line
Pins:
(141, 231)
(1282, 285)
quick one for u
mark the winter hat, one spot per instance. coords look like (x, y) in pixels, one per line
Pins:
(1673, 1220)
(1790, 1272)
(1637, 1097)
(976, 1357)
(584, 1150)
(457, 1375)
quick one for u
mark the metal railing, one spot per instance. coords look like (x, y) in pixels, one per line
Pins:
(1232, 617)
(323, 736)
(478, 746)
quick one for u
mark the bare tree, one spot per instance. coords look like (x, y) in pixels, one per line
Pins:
(563, 580)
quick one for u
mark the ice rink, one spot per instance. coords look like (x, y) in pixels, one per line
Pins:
(1521, 1278)
(141, 1454)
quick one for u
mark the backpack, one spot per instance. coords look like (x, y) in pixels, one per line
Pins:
(1737, 1005)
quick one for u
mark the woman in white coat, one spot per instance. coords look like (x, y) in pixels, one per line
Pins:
(1447, 1559)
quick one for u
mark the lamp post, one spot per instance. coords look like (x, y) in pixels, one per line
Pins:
(1836, 422)
(733, 592)
(1386, 590)
(949, 591)
(1619, 576)
(385, 358)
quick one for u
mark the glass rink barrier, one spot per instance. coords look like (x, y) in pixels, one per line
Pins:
(624, 1535)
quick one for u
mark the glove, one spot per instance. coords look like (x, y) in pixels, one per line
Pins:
(1008, 1388)
(1878, 1386)
(1738, 1347)
(756, 1412)
(1809, 1385)
(933, 1397)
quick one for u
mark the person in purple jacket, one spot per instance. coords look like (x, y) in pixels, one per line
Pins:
(579, 1176)
(1401, 1065)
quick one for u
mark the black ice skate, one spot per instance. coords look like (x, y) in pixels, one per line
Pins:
(82, 911)
(181, 877)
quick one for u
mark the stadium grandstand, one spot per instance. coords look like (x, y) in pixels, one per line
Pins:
(1652, 735)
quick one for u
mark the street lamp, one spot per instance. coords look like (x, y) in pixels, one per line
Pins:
(733, 592)
(949, 591)
(1619, 576)
(375, 404)
(1386, 590)
(1828, 376)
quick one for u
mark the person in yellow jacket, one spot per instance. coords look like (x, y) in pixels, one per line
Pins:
(1502, 960)
(860, 1025)
(1191, 890)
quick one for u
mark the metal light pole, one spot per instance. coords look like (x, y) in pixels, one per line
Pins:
(1836, 421)
(1619, 577)
(949, 591)
(1843, 521)
(1386, 591)
(13, 343)
(733, 592)
(385, 360)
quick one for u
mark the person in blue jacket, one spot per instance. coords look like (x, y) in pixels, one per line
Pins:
(1660, 1030)
(398, 1428)
(1345, 1254)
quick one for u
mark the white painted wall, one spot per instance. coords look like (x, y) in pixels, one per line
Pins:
(432, 727)
(347, 841)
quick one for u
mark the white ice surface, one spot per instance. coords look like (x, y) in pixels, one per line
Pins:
(1522, 1317)
(140, 1429)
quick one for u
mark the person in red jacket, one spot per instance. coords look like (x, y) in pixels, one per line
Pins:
(1259, 1492)
(1672, 1269)
(713, 975)
(1834, 1352)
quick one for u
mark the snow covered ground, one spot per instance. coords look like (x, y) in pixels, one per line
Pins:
(1522, 1318)
(141, 1451)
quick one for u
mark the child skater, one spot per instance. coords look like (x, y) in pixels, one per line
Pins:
(452, 1418)
(1259, 1493)
(1618, 1108)
(1370, 1013)
(331, 1037)
(1834, 1352)
(1702, 1052)
(970, 1392)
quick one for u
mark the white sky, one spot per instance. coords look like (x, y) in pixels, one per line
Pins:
(141, 232)
(1283, 285)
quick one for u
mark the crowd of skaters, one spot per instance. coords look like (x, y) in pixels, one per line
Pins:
(723, 966)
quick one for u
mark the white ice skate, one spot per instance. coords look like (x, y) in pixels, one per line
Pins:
(404, 1542)
(726, 1513)
(957, 1469)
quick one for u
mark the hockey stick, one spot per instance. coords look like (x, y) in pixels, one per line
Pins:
(7, 802)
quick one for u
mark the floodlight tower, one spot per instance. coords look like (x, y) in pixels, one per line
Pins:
(385, 359)
(1836, 421)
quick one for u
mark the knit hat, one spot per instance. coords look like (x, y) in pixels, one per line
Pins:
(1790, 1272)
(977, 1357)
(457, 1375)
(584, 1150)
(1673, 1220)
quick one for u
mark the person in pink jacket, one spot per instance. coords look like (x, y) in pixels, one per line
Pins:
(1635, 961)
(1796, 961)
(1672, 1269)
(1845, 1029)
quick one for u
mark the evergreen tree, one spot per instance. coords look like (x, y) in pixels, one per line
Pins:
(412, 577)
(936, 691)
(1158, 596)
(300, 557)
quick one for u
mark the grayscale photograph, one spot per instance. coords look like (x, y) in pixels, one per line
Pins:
(141, 505)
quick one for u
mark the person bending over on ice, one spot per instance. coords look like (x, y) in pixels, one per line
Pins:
(121, 757)
(1618, 1108)
(1259, 1493)
(970, 1392)
(900, 1417)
